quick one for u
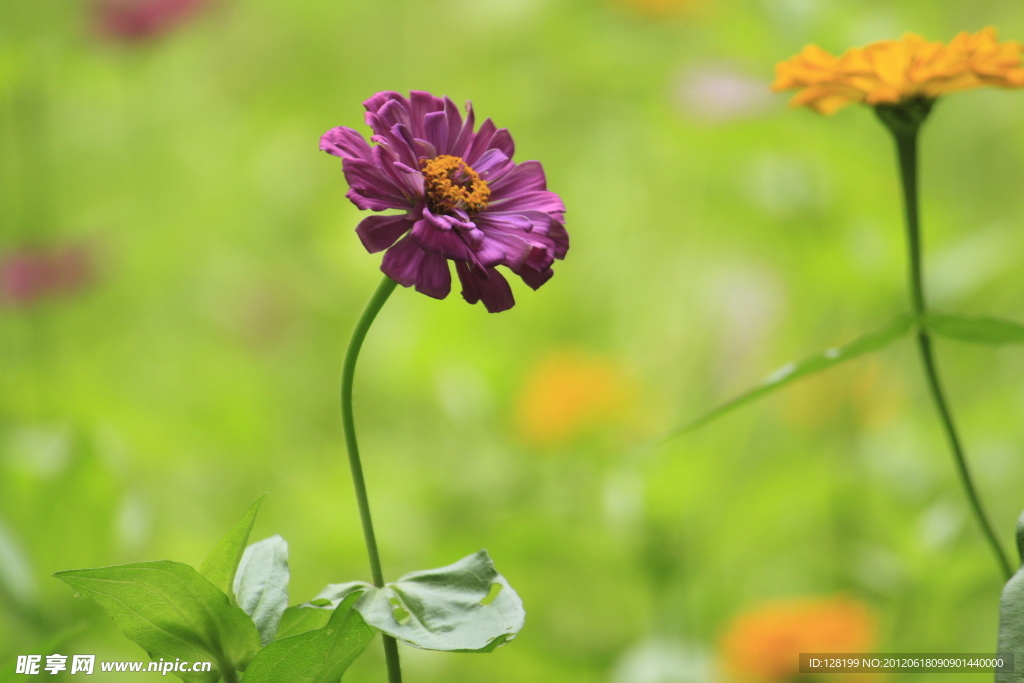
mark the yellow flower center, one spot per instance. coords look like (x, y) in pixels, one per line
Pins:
(450, 183)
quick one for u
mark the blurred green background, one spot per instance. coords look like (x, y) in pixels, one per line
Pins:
(190, 360)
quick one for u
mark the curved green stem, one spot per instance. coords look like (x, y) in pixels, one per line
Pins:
(373, 306)
(905, 126)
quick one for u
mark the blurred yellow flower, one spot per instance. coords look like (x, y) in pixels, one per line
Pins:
(763, 645)
(894, 71)
(568, 393)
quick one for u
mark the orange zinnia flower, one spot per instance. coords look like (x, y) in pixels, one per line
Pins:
(895, 71)
(764, 645)
(568, 393)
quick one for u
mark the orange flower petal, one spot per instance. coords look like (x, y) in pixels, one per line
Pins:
(894, 71)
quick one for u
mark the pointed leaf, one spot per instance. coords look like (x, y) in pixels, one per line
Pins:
(302, 618)
(171, 611)
(464, 607)
(869, 343)
(976, 330)
(220, 566)
(335, 592)
(1011, 617)
(319, 656)
(261, 584)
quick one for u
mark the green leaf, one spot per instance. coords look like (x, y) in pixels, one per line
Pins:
(171, 611)
(318, 656)
(465, 607)
(261, 584)
(222, 562)
(869, 343)
(1011, 617)
(302, 618)
(975, 330)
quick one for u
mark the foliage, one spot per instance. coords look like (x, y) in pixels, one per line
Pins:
(174, 612)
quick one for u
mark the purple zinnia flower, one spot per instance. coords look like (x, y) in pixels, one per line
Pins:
(28, 275)
(135, 20)
(462, 197)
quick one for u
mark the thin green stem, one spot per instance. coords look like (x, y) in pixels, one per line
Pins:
(373, 306)
(906, 147)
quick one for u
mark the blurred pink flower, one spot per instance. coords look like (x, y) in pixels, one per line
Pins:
(721, 93)
(30, 274)
(133, 20)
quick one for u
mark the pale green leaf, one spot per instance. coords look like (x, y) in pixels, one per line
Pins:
(869, 343)
(1011, 617)
(976, 330)
(222, 563)
(261, 584)
(464, 607)
(317, 656)
(171, 612)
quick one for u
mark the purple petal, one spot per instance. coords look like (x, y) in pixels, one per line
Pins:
(364, 203)
(547, 234)
(534, 278)
(435, 130)
(420, 104)
(405, 145)
(424, 149)
(445, 242)
(402, 262)
(526, 177)
(405, 170)
(375, 103)
(539, 257)
(488, 286)
(392, 137)
(491, 160)
(370, 188)
(394, 113)
(481, 143)
(502, 141)
(560, 237)
(490, 253)
(511, 222)
(377, 233)
(538, 200)
(473, 235)
(345, 142)
(409, 180)
(454, 123)
(517, 245)
(434, 278)
(465, 138)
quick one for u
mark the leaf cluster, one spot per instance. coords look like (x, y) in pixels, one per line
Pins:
(234, 611)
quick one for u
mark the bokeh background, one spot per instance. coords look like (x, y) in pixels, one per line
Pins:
(179, 277)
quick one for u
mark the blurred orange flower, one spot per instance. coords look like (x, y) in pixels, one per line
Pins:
(763, 645)
(894, 71)
(567, 393)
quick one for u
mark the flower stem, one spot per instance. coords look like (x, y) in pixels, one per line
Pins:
(373, 306)
(906, 146)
